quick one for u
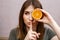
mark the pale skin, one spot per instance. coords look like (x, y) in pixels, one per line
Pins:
(32, 24)
(50, 21)
(31, 35)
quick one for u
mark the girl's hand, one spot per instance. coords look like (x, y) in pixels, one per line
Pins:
(47, 18)
(32, 35)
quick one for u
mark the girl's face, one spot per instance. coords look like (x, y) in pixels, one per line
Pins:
(27, 17)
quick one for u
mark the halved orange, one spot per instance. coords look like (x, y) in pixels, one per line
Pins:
(37, 14)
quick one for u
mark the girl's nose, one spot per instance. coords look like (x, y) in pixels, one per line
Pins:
(31, 19)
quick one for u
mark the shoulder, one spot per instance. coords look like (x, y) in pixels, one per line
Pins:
(13, 30)
(49, 33)
(13, 33)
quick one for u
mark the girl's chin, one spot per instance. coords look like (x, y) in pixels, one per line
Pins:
(28, 26)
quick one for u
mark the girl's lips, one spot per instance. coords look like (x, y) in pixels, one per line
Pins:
(31, 22)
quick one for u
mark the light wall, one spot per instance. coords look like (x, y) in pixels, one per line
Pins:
(9, 12)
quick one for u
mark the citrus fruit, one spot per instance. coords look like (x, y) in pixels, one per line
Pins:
(37, 14)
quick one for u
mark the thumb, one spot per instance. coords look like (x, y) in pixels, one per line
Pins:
(40, 20)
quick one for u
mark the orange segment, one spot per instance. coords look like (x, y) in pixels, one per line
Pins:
(37, 14)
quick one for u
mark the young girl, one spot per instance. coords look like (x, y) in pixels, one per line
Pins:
(31, 29)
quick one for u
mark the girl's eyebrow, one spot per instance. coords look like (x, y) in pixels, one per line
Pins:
(26, 11)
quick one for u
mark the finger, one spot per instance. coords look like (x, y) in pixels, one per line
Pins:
(41, 20)
(36, 34)
(31, 26)
(33, 37)
(46, 13)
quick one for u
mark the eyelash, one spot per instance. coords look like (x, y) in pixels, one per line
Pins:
(26, 13)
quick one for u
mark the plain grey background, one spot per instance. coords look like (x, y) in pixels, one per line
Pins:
(9, 12)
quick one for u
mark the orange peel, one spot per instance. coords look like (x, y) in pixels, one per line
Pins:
(37, 14)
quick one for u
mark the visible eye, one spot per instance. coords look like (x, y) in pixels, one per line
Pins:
(26, 13)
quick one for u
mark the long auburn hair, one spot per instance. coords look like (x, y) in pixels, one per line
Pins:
(21, 33)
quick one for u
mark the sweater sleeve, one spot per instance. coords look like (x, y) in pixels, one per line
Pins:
(50, 34)
(12, 35)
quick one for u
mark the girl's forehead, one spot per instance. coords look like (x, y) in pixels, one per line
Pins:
(29, 8)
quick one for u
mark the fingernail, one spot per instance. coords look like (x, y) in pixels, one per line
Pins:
(38, 33)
